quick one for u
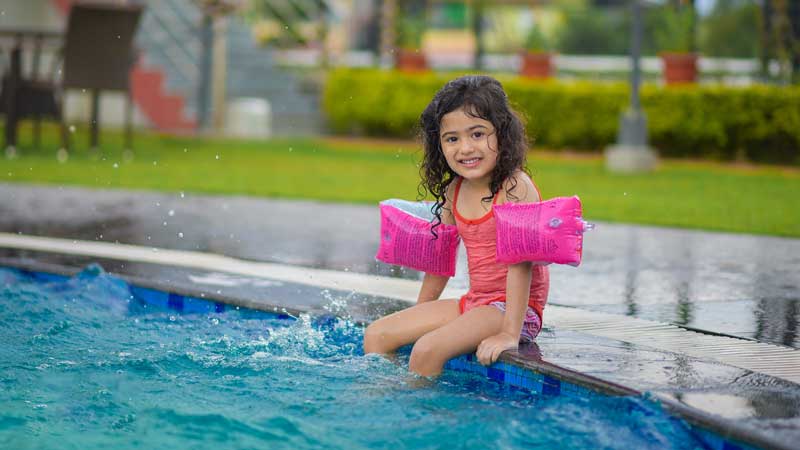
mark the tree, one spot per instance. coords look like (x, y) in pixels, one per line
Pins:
(780, 38)
(595, 31)
(731, 30)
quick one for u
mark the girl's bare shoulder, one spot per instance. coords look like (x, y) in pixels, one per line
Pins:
(519, 188)
(447, 208)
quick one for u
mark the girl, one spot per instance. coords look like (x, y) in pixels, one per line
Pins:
(475, 150)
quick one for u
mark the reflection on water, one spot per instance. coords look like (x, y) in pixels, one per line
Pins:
(632, 254)
(777, 321)
(753, 403)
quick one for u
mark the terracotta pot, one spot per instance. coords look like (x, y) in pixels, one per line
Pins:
(537, 65)
(680, 67)
(411, 61)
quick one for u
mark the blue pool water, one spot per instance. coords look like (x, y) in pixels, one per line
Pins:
(84, 364)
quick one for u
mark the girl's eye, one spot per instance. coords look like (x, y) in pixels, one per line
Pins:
(477, 134)
(450, 139)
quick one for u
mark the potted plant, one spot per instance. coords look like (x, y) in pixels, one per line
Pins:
(408, 55)
(674, 38)
(537, 59)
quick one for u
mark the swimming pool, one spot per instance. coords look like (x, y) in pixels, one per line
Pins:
(90, 361)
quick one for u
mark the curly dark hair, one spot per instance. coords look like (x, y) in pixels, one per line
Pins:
(479, 96)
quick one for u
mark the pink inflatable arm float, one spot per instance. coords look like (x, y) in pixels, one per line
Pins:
(406, 238)
(547, 232)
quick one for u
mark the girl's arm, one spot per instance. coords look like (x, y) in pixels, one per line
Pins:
(518, 284)
(433, 285)
(518, 289)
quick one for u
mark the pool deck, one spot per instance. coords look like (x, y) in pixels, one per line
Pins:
(623, 322)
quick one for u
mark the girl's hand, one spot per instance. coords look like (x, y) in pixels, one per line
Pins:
(491, 348)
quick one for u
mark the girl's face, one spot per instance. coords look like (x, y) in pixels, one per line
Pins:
(469, 145)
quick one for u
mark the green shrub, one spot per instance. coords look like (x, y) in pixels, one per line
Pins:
(760, 123)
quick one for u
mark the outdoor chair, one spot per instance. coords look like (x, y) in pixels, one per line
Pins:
(27, 97)
(97, 55)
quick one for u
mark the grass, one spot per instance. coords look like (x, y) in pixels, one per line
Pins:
(705, 195)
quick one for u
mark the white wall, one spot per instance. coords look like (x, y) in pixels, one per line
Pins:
(78, 109)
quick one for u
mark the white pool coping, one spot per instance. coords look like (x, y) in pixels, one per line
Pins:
(774, 360)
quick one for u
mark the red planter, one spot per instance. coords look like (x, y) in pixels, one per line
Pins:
(537, 65)
(411, 61)
(680, 67)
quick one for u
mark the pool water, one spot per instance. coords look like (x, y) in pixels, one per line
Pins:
(84, 364)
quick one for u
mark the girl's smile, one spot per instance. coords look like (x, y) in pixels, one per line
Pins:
(470, 162)
(469, 145)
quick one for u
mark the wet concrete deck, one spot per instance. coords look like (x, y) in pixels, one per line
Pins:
(735, 284)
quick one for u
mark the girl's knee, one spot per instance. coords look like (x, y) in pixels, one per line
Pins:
(425, 357)
(423, 348)
(376, 340)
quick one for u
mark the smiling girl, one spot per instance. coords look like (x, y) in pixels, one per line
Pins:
(475, 150)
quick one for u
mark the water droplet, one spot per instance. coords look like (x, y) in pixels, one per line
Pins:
(165, 223)
(185, 150)
(180, 235)
(217, 157)
(155, 163)
(182, 196)
(171, 212)
(291, 149)
(115, 165)
(172, 318)
(624, 193)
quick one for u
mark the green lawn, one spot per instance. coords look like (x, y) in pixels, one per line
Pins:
(760, 200)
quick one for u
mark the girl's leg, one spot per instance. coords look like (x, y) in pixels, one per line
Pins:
(389, 333)
(460, 336)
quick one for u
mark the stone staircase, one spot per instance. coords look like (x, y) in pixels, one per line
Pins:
(170, 37)
(165, 81)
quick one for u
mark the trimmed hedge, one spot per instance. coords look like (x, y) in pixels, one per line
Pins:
(760, 123)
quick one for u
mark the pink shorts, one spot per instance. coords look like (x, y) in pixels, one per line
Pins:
(530, 327)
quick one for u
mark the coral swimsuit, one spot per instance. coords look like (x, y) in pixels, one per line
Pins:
(487, 278)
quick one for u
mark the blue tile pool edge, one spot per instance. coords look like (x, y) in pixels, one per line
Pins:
(513, 369)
